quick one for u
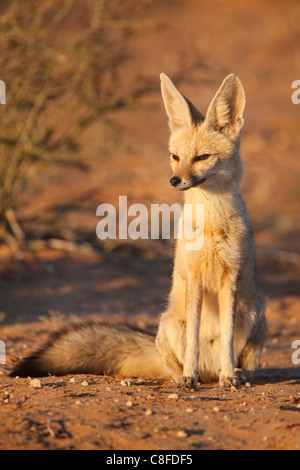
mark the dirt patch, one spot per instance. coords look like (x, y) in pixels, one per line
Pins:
(93, 412)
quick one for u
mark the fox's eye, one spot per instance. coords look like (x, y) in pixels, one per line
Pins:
(201, 157)
(175, 157)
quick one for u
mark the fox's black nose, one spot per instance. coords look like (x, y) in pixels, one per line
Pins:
(175, 181)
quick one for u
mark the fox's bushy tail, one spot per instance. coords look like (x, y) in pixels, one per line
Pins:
(95, 348)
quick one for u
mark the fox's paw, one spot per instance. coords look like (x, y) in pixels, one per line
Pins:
(228, 382)
(187, 382)
(240, 376)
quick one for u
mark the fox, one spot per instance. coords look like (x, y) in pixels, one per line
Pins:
(214, 326)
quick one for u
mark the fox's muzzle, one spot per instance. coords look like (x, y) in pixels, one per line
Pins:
(175, 181)
(184, 185)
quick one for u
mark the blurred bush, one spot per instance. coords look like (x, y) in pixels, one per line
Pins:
(60, 62)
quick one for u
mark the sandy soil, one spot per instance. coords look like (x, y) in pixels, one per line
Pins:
(198, 42)
(91, 412)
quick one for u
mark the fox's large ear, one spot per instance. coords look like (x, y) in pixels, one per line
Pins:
(225, 112)
(181, 112)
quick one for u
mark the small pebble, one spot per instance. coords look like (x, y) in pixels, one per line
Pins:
(126, 383)
(182, 434)
(216, 409)
(84, 383)
(247, 384)
(173, 396)
(129, 403)
(35, 383)
(189, 410)
(72, 380)
(148, 412)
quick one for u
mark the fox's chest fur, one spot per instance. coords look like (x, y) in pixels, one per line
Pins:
(223, 250)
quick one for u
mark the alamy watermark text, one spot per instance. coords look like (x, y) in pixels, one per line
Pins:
(2, 352)
(2, 92)
(188, 222)
(296, 94)
(296, 354)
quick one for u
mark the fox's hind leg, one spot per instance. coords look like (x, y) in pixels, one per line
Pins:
(171, 336)
(170, 342)
(249, 358)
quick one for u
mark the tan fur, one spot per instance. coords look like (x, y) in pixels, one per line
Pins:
(214, 326)
(215, 312)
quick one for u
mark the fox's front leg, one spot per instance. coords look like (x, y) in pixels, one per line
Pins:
(193, 302)
(227, 295)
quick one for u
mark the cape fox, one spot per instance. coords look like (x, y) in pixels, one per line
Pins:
(214, 326)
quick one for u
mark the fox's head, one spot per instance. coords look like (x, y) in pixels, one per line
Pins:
(205, 150)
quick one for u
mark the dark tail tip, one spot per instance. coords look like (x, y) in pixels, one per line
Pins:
(28, 367)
